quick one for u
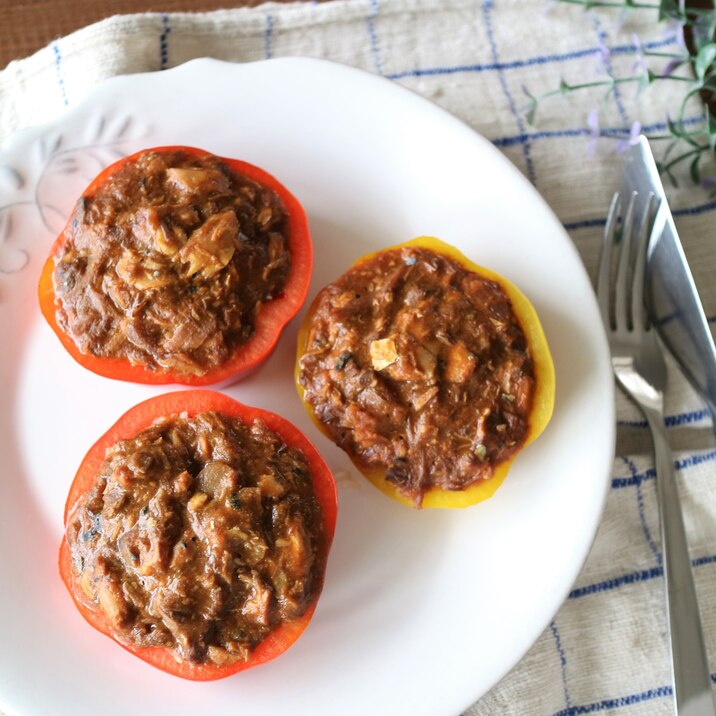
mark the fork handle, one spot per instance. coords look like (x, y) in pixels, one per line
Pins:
(692, 679)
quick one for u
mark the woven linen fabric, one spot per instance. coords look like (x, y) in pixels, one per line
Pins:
(606, 649)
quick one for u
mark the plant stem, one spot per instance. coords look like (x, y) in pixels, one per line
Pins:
(605, 3)
(673, 77)
(683, 11)
(670, 55)
(608, 83)
(685, 155)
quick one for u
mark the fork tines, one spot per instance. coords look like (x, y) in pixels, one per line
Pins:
(623, 309)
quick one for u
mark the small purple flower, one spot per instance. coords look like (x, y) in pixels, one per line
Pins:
(593, 124)
(639, 62)
(671, 65)
(675, 30)
(708, 182)
(604, 53)
(634, 133)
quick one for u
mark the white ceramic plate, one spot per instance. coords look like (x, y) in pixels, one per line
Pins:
(422, 612)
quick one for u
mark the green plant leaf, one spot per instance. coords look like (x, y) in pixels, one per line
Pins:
(677, 129)
(694, 170)
(673, 127)
(667, 152)
(711, 129)
(672, 177)
(564, 88)
(670, 9)
(531, 112)
(703, 28)
(704, 60)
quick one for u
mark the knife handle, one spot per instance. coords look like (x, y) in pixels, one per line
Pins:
(692, 679)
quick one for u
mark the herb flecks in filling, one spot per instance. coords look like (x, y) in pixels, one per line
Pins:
(168, 264)
(420, 367)
(201, 535)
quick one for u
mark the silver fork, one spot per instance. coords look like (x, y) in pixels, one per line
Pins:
(640, 370)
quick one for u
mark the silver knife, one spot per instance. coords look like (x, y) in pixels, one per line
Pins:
(676, 311)
(671, 296)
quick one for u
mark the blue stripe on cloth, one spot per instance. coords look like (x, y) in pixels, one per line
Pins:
(609, 704)
(619, 483)
(607, 585)
(268, 37)
(615, 132)
(562, 661)
(164, 43)
(487, 6)
(672, 421)
(709, 319)
(642, 514)
(585, 224)
(673, 316)
(696, 210)
(659, 692)
(58, 72)
(532, 136)
(495, 65)
(656, 127)
(643, 575)
(374, 46)
(688, 211)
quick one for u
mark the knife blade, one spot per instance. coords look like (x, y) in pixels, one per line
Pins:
(670, 293)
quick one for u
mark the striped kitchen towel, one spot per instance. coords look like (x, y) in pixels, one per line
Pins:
(605, 650)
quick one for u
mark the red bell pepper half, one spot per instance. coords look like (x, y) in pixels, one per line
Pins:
(270, 322)
(193, 402)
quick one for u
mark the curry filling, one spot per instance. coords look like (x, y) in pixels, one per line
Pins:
(200, 535)
(168, 264)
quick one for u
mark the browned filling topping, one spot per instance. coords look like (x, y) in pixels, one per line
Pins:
(200, 535)
(420, 367)
(168, 264)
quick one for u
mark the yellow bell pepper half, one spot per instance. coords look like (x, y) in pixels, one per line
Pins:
(543, 401)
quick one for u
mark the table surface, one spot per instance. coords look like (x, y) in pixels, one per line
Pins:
(28, 25)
